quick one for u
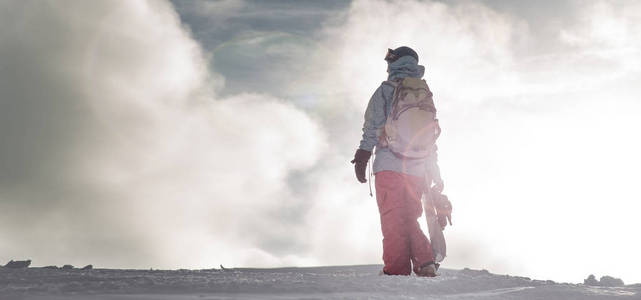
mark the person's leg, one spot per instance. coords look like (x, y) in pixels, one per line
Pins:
(420, 248)
(391, 205)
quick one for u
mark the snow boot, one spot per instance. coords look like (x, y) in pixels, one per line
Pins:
(427, 270)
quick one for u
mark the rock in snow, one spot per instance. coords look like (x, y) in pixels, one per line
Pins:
(605, 281)
(611, 281)
(339, 282)
(591, 280)
(18, 264)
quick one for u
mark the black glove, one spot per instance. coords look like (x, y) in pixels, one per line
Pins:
(443, 209)
(360, 164)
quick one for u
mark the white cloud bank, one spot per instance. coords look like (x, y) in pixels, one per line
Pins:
(117, 152)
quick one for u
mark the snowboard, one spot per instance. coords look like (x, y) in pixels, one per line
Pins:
(433, 202)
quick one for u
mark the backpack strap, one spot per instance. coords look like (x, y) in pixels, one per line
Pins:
(394, 84)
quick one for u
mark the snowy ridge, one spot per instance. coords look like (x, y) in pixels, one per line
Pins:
(340, 282)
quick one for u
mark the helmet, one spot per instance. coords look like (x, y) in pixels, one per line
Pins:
(393, 55)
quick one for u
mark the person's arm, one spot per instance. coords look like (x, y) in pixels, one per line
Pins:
(374, 119)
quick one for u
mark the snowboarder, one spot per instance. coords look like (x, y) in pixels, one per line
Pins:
(400, 180)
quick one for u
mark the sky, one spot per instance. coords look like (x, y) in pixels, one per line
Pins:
(189, 134)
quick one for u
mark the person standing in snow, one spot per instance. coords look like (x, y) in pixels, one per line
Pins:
(400, 181)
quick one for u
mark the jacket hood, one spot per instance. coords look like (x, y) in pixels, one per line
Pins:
(405, 66)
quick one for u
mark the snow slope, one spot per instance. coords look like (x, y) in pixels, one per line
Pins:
(341, 282)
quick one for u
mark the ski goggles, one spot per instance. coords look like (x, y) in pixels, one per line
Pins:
(390, 56)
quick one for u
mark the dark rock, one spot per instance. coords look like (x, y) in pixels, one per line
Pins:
(608, 281)
(523, 278)
(611, 281)
(18, 264)
(471, 272)
(87, 267)
(67, 267)
(591, 280)
(51, 267)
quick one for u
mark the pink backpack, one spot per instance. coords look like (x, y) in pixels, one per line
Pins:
(411, 129)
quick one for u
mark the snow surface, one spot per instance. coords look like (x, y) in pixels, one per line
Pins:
(341, 282)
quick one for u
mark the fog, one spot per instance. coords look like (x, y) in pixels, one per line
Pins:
(154, 134)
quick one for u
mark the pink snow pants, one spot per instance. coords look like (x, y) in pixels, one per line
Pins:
(399, 203)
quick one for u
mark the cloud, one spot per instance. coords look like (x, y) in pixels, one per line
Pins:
(260, 46)
(117, 151)
(610, 32)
